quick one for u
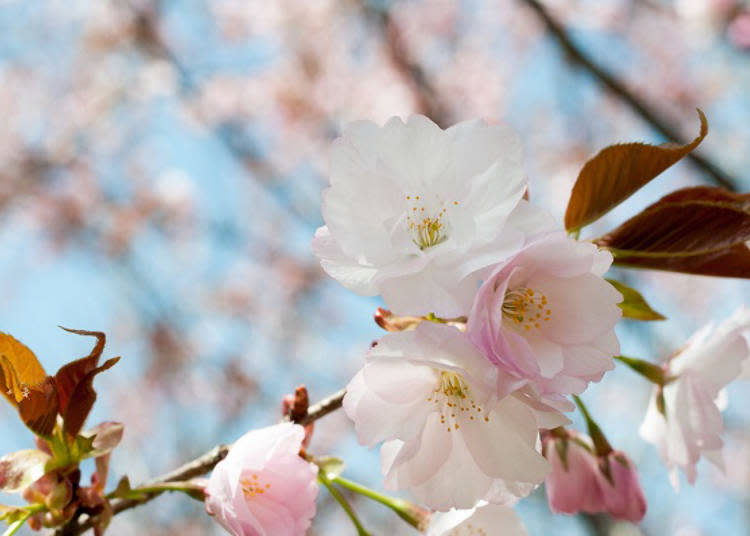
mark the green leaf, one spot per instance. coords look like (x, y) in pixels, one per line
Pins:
(617, 172)
(18, 470)
(633, 304)
(332, 467)
(125, 491)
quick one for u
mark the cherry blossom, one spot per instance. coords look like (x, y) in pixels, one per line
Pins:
(415, 213)
(546, 318)
(684, 419)
(263, 486)
(430, 395)
(483, 520)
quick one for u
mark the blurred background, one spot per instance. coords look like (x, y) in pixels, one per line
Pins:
(161, 165)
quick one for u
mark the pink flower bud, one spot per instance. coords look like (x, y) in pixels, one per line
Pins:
(263, 486)
(622, 493)
(572, 484)
(582, 482)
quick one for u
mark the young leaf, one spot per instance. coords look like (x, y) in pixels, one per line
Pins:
(82, 400)
(20, 469)
(74, 383)
(332, 467)
(38, 409)
(71, 374)
(729, 262)
(633, 305)
(617, 172)
(708, 193)
(19, 368)
(673, 229)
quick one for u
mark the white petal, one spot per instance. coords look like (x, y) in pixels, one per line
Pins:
(490, 519)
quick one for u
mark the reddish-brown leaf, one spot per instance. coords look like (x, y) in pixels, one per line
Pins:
(708, 193)
(82, 399)
(617, 172)
(693, 227)
(19, 369)
(730, 262)
(71, 374)
(38, 408)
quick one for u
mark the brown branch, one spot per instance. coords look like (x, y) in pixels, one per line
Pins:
(428, 100)
(618, 88)
(194, 468)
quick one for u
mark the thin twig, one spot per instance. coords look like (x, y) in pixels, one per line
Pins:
(194, 468)
(428, 100)
(618, 88)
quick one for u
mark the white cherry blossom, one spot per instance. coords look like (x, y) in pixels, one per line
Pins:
(415, 213)
(691, 424)
(482, 520)
(431, 396)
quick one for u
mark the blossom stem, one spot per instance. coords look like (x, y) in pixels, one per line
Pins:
(323, 479)
(189, 488)
(601, 445)
(651, 372)
(414, 515)
(18, 523)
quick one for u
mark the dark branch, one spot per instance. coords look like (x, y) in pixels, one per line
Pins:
(659, 123)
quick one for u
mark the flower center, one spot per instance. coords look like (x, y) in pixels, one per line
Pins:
(252, 487)
(526, 308)
(427, 229)
(454, 400)
(468, 530)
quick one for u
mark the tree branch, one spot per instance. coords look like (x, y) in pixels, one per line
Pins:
(194, 468)
(618, 88)
(428, 100)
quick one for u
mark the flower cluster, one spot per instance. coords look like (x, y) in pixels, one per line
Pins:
(435, 222)
(497, 320)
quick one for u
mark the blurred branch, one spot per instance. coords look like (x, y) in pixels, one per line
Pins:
(428, 100)
(618, 88)
(194, 468)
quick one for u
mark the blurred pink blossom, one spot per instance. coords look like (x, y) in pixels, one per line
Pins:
(739, 30)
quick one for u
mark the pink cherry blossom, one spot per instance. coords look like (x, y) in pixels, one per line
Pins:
(546, 318)
(263, 486)
(572, 485)
(415, 213)
(620, 487)
(430, 395)
(690, 424)
(484, 519)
